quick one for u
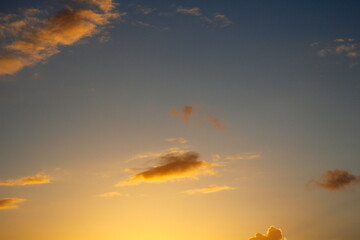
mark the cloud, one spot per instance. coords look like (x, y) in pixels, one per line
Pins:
(209, 189)
(243, 156)
(10, 203)
(30, 180)
(172, 166)
(214, 121)
(222, 20)
(144, 10)
(341, 47)
(184, 114)
(148, 25)
(195, 11)
(112, 194)
(218, 19)
(337, 180)
(38, 39)
(273, 233)
(177, 140)
(175, 150)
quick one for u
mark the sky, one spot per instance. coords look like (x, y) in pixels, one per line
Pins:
(202, 119)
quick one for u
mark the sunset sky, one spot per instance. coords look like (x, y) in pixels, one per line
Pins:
(179, 120)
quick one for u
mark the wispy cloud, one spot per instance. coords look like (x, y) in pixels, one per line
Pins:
(10, 203)
(222, 20)
(148, 25)
(346, 47)
(30, 180)
(144, 10)
(272, 233)
(36, 39)
(195, 11)
(337, 180)
(172, 166)
(243, 156)
(209, 189)
(112, 194)
(187, 112)
(218, 19)
(214, 121)
(177, 140)
(157, 154)
(184, 113)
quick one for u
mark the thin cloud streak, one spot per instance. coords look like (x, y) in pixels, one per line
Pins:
(30, 180)
(214, 121)
(177, 140)
(243, 156)
(112, 194)
(10, 203)
(209, 189)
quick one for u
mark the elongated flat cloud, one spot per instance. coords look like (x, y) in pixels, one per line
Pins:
(37, 39)
(341, 47)
(272, 233)
(177, 140)
(243, 156)
(10, 203)
(209, 189)
(195, 11)
(184, 113)
(30, 180)
(112, 194)
(214, 121)
(172, 166)
(337, 180)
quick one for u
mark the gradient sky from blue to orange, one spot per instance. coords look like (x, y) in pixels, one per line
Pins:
(82, 113)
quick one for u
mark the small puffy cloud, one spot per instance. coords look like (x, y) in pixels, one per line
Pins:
(195, 11)
(214, 121)
(209, 189)
(184, 113)
(177, 140)
(222, 20)
(30, 180)
(243, 156)
(337, 179)
(112, 194)
(10, 203)
(272, 233)
(31, 39)
(172, 166)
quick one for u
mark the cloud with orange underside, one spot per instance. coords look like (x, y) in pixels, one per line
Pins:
(272, 233)
(172, 166)
(10, 203)
(29, 180)
(39, 39)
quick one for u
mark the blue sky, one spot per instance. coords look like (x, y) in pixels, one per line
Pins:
(281, 77)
